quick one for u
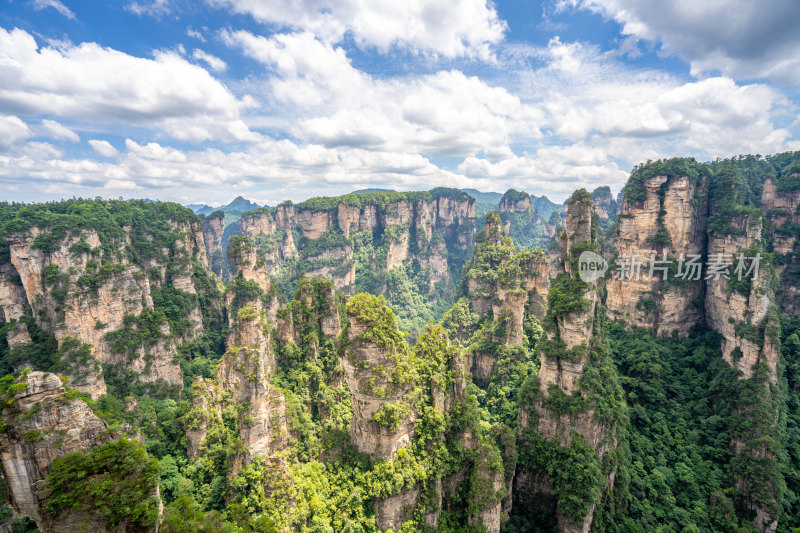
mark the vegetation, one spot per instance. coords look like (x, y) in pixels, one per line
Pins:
(114, 483)
(692, 444)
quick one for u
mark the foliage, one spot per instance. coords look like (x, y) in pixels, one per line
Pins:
(113, 482)
(634, 191)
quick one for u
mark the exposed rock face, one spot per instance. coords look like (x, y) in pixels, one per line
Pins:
(12, 293)
(678, 216)
(506, 284)
(391, 512)
(243, 376)
(782, 217)
(571, 346)
(436, 230)
(671, 220)
(73, 295)
(213, 230)
(604, 204)
(368, 367)
(42, 427)
(515, 205)
(727, 310)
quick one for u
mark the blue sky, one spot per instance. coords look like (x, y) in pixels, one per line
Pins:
(202, 101)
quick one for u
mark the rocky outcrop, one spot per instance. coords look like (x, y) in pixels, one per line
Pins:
(242, 379)
(382, 422)
(604, 204)
(735, 313)
(571, 347)
(213, 231)
(435, 229)
(782, 220)
(505, 284)
(41, 425)
(74, 295)
(665, 227)
(515, 202)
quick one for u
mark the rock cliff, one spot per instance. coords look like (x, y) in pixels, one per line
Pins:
(355, 239)
(507, 287)
(668, 222)
(566, 413)
(213, 231)
(100, 288)
(782, 219)
(42, 422)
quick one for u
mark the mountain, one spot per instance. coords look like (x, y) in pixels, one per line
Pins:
(201, 209)
(374, 363)
(233, 210)
(409, 247)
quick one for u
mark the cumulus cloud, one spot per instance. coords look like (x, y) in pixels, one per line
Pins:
(450, 28)
(285, 167)
(39, 5)
(587, 95)
(55, 130)
(90, 82)
(552, 119)
(12, 129)
(214, 63)
(103, 148)
(737, 38)
(554, 170)
(445, 114)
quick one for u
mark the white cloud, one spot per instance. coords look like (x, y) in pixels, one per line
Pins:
(99, 84)
(154, 8)
(738, 38)
(330, 102)
(12, 130)
(103, 148)
(590, 96)
(215, 63)
(195, 34)
(451, 29)
(39, 5)
(552, 170)
(289, 169)
(56, 130)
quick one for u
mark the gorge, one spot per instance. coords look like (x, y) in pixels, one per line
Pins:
(408, 361)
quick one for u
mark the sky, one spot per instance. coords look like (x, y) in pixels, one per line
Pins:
(201, 101)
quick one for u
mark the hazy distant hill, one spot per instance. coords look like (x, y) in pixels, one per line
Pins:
(237, 206)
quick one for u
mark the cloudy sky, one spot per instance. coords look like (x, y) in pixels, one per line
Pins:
(204, 100)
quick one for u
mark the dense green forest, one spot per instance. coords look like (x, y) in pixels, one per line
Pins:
(675, 402)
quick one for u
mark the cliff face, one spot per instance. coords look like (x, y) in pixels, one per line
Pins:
(369, 367)
(41, 424)
(525, 222)
(724, 219)
(241, 383)
(604, 204)
(782, 218)
(327, 234)
(213, 230)
(669, 223)
(505, 285)
(43, 428)
(86, 289)
(562, 414)
(511, 204)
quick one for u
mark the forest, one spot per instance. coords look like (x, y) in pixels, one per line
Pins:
(405, 404)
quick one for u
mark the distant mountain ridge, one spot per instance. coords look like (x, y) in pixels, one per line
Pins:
(236, 207)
